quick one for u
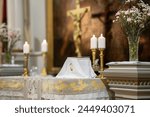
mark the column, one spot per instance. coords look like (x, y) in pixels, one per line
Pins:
(10, 13)
(15, 17)
(26, 21)
(19, 20)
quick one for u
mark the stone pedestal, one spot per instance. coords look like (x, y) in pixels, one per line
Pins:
(129, 80)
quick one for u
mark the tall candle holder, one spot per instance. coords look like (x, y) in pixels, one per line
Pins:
(26, 70)
(101, 55)
(44, 71)
(93, 56)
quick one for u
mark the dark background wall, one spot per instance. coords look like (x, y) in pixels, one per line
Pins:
(97, 21)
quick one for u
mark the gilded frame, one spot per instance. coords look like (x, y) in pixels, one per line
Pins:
(49, 34)
(51, 68)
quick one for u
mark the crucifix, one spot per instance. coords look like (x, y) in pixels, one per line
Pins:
(77, 15)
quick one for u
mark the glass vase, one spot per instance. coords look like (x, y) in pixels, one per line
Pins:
(133, 48)
(8, 57)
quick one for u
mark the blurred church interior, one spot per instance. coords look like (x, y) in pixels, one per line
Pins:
(48, 20)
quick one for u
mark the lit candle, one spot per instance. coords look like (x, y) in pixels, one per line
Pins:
(26, 48)
(93, 42)
(101, 42)
(44, 46)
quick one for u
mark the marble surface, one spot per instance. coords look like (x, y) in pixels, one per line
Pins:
(11, 69)
(129, 80)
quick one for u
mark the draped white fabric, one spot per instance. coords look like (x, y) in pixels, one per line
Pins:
(51, 88)
(77, 68)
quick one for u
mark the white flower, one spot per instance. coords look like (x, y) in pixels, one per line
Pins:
(117, 17)
(132, 11)
(129, 19)
(9, 36)
(134, 17)
(129, 1)
(127, 12)
(141, 25)
(118, 13)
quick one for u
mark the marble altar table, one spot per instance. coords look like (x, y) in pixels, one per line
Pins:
(11, 69)
(51, 88)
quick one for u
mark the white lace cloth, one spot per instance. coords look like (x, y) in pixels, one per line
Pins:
(51, 88)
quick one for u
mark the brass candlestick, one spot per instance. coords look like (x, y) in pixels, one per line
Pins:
(26, 71)
(44, 71)
(101, 62)
(93, 56)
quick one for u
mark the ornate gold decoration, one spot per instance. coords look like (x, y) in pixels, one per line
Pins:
(95, 85)
(71, 87)
(44, 71)
(80, 86)
(77, 15)
(47, 86)
(26, 71)
(11, 84)
(60, 86)
(129, 82)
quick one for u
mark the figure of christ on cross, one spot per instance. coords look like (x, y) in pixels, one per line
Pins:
(77, 15)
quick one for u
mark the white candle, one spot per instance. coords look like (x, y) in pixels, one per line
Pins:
(101, 42)
(93, 42)
(44, 46)
(26, 48)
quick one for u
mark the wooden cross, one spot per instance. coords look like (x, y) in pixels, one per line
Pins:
(77, 15)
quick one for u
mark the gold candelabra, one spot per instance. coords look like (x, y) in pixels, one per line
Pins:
(26, 71)
(101, 55)
(44, 71)
(93, 56)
